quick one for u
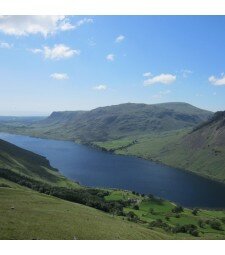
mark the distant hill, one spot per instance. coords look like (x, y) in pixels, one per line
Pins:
(115, 122)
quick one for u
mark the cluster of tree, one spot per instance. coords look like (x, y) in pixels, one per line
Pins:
(131, 216)
(188, 228)
(90, 197)
(136, 207)
(177, 209)
(195, 211)
(213, 223)
(158, 223)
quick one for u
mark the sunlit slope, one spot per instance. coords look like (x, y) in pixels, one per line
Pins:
(26, 214)
(201, 150)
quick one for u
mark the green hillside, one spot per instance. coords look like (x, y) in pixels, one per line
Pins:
(29, 164)
(113, 122)
(34, 205)
(26, 214)
(201, 150)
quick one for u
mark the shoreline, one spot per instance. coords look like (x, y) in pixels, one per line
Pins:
(97, 147)
(90, 146)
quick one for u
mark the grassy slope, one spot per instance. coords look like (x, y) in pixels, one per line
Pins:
(178, 149)
(26, 214)
(38, 216)
(30, 164)
(163, 209)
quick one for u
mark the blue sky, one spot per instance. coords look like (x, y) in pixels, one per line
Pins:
(74, 63)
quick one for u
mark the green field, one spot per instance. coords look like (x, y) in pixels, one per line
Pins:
(150, 210)
(26, 214)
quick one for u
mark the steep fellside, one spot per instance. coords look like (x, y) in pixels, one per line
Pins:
(201, 150)
(205, 148)
(29, 164)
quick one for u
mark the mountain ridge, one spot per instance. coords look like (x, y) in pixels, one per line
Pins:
(116, 121)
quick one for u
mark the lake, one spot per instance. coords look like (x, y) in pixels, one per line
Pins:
(95, 168)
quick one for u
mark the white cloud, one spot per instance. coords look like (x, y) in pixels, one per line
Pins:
(161, 94)
(110, 57)
(66, 25)
(162, 78)
(186, 72)
(217, 81)
(119, 38)
(59, 76)
(36, 51)
(148, 74)
(100, 87)
(59, 51)
(24, 25)
(91, 42)
(5, 45)
(82, 22)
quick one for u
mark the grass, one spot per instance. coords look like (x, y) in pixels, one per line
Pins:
(120, 195)
(168, 148)
(153, 209)
(32, 165)
(26, 214)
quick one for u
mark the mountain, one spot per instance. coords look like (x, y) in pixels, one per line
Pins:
(201, 150)
(204, 148)
(114, 122)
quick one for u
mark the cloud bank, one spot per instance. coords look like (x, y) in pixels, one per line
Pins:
(24, 25)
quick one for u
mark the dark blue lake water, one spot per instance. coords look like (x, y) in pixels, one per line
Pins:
(101, 169)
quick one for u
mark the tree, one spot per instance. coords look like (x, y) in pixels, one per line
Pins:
(177, 209)
(151, 210)
(195, 211)
(131, 216)
(136, 207)
(215, 224)
(201, 223)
